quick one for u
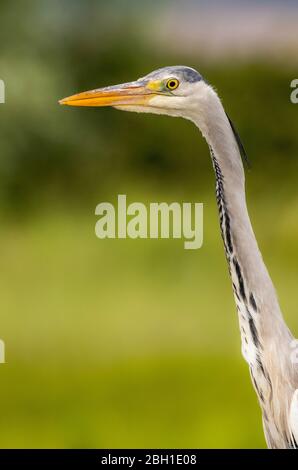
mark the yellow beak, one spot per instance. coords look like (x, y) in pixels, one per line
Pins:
(120, 95)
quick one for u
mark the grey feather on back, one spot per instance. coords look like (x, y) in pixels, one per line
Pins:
(240, 144)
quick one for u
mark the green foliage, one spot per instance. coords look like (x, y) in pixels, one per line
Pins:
(52, 152)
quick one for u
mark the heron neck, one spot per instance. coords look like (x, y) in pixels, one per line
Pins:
(253, 289)
(266, 340)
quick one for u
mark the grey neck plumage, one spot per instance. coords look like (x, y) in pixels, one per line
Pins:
(265, 337)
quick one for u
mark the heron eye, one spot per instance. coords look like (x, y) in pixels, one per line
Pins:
(172, 84)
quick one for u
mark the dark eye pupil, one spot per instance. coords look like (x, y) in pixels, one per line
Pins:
(172, 84)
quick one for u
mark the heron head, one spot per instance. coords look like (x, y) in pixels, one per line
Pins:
(171, 90)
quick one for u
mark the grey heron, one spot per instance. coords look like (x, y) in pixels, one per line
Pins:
(266, 340)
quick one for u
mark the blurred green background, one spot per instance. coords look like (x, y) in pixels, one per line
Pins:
(121, 343)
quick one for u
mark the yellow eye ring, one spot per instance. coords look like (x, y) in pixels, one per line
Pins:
(172, 84)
